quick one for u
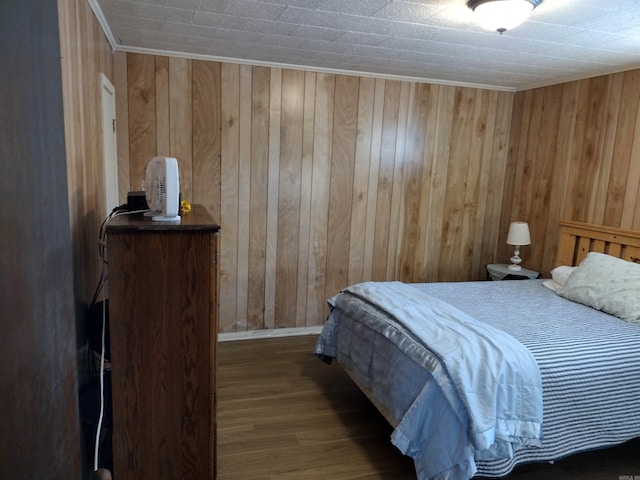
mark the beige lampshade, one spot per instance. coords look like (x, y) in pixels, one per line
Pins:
(519, 234)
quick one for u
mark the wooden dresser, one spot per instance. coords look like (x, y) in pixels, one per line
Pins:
(163, 306)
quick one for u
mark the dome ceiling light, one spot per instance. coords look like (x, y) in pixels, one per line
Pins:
(502, 15)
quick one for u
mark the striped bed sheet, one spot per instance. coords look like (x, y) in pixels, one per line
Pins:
(589, 362)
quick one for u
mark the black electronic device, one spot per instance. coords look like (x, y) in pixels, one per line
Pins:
(137, 201)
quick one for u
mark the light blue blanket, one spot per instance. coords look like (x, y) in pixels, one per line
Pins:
(491, 381)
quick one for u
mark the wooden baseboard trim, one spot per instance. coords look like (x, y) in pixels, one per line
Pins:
(272, 333)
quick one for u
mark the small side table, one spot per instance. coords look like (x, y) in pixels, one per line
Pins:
(501, 271)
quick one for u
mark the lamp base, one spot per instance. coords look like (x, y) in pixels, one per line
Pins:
(516, 260)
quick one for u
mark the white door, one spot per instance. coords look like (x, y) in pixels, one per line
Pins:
(110, 153)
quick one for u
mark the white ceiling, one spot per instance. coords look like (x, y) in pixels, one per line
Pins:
(427, 40)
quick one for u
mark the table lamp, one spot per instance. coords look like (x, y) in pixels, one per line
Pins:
(518, 236)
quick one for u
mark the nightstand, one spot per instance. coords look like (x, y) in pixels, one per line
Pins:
(501, 271)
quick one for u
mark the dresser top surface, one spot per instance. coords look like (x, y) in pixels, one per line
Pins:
(197, 219)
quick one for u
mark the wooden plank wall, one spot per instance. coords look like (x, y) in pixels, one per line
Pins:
(319, 180)
(85, 53)
(574, 154)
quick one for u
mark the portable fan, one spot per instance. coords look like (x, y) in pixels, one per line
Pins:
(162, 189)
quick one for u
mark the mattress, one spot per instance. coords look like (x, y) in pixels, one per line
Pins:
(589, 363)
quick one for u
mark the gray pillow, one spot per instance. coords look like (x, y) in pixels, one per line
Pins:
(606, 283)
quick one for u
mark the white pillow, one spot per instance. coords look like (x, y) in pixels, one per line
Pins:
(551, 284)
(606, 283)
(560, 274)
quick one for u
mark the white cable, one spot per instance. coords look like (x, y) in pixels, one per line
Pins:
(97, 445)
(102, 243)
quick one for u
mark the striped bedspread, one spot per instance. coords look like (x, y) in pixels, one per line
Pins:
(500, 397)
(589, 362)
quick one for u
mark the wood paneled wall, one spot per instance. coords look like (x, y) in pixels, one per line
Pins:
(574, 154)
(85, 53)
(320, 180)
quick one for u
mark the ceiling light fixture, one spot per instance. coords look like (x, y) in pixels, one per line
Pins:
(502, 15)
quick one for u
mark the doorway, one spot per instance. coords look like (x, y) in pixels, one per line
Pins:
(109, 149)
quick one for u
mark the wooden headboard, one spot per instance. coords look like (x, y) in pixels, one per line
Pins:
(577, 239)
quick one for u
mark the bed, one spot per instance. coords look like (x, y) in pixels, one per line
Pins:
(479, 377)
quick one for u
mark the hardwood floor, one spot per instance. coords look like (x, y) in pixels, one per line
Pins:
(283, 414)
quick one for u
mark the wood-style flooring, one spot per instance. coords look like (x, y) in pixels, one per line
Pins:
(284, 415)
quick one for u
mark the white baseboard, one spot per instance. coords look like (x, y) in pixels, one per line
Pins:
(273, 333)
